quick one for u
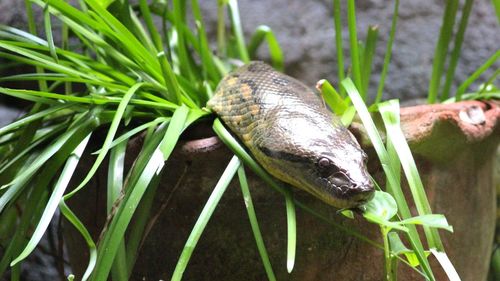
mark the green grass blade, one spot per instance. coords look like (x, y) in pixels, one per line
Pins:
(48, 152)
(395, 163)
(131, 20)
(42, 85)
(265, 32)
(474, 76)
(119, 270)
(136, 130)
(366, 63)
(204, 217)
(457, 47)
(54, 199)
(128, 40)
(388, 53)
(105, 25)
(152, 140)
(353, 39)
(174, 130)
(73, 219)
(19, 35)
(145, 171)
(148, 19)
(205, 53)
(35, 201)
(446, 264)
(441, 50)
(432, 220)
(40, 192)
(138, 229)
(252, 216)
(13, 191)
(179, 17)
(374, 135)
(390, 115)
(332, 97)
(38, 59)
(475, 96)
(110, 135)
(171, 82)
(221, 28)
(49, 98)
(48, 32)
(238, 30)
(11, 159)
(30, 118)
(113, 236)
(291, 230)
(496, 6)
(338, 44)
(64, 78)
(495, 260)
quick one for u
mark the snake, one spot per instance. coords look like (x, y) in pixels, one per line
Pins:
(293, 135)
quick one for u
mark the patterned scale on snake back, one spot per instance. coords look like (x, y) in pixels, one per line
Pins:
(292, 134)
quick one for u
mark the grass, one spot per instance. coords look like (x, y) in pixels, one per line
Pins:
(123, 73)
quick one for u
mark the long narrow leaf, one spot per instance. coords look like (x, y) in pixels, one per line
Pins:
(353, 39)
(171, 81)
(474, 76)
(136, 130)
(205, 53)
(255, 224)
(138, 183)
(442, 49)
(338, 44)
(383, 156)
(238, 30)
(388, 53)
(109, 137)
(457, 47)
(119, 270)
(54, 199)
(40, 192)
(46, 154)
(30, 118)
(291, 230)
(265, 32)
(73, 219)
(110, 244)
(204, 217)
(390, 115)
(366, 63)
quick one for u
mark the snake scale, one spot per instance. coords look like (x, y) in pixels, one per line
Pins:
(293, 135)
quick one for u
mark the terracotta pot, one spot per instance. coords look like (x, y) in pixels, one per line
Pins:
(454, 146)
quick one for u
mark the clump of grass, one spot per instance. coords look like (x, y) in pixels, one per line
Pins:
(160, 80)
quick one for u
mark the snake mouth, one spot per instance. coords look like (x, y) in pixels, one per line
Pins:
(345, 196)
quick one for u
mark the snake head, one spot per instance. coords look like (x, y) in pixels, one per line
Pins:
(329, 165)
(342, 181)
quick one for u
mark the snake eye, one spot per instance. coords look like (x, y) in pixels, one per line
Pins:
(326, 167)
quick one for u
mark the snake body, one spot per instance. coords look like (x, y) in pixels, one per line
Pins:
(292, 134)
